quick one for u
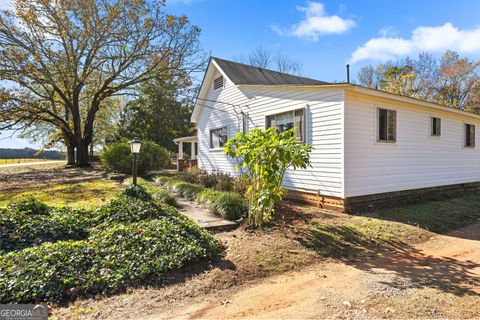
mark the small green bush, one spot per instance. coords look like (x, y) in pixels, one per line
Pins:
(19, 229)
(118, 158)
(218, 180)
(228, 205)
(163, 196)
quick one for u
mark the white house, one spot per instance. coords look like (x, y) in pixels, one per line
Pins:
(368, 145)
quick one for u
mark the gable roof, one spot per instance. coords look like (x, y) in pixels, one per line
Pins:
(243, 74)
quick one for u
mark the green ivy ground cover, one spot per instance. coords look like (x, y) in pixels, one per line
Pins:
(54, 254)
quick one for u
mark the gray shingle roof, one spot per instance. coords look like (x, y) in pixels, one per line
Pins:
(240, 73)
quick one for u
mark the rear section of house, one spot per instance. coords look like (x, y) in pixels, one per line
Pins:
(368, 146)
(400, 148)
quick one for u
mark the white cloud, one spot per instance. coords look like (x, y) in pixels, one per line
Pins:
(429, 39)
(388, 32)
(316, 23)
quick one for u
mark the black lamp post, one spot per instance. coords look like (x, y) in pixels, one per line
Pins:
(135, 145)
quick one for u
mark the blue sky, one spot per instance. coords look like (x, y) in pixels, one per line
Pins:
(326, 35)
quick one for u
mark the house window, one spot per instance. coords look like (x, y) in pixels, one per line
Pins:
(287, 120)
(387, 125)
(436, 126)
(218, 83)
(218, 138)
(469, 135)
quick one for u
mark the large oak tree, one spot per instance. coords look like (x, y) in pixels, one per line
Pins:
(60, 60)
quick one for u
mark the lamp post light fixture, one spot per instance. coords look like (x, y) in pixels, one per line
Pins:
(135, 145)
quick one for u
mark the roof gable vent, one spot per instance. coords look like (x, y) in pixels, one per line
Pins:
(218, 83)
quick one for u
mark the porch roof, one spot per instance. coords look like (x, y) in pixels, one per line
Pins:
(186, 139)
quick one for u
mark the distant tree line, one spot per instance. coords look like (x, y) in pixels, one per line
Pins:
(450, 80)
(29, 153)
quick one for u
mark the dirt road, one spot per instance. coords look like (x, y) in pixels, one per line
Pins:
(436, 279)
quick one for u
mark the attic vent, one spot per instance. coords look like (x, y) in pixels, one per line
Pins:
(218, 83)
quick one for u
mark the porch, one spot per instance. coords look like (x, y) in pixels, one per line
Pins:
(182, 163)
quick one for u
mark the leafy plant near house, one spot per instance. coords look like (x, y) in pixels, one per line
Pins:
(266, 154)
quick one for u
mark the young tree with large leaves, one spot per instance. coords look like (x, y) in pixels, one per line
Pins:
(61, 59)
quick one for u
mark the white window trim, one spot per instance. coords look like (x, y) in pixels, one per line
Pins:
(377, 126)
(291, 109)
(210, 138)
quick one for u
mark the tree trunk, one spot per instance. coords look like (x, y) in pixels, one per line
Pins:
(82, 154)
(70, 155)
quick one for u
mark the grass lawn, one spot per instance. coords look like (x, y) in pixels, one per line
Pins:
(438, 216)
(12, 161)
(84, 194)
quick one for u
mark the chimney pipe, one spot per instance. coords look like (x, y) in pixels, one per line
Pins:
(348, 73)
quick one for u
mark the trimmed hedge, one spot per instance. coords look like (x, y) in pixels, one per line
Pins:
(228, 205)
(130, 242)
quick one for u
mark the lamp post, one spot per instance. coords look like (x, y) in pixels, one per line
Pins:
(135, 145)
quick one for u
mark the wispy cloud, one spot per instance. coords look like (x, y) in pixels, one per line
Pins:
(429, 39)
(316, 23)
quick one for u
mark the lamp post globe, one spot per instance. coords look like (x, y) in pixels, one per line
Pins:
(135, 146)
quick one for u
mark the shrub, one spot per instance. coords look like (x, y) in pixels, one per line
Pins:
(118, 158)
(228, 205)
(116, 255)
(18, 229)
(241, 184)
(218, 180)
(163, 196)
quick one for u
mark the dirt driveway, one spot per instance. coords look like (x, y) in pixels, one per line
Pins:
(439, 278)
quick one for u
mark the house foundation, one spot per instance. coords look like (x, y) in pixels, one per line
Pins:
(382, 200)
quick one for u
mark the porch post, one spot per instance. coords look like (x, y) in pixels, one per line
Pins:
(192, 154)
(180, 151)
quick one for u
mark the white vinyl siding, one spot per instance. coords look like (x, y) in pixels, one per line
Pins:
(323, 128)
(415, 160)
